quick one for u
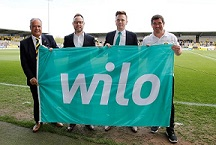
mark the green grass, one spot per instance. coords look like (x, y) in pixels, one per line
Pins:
(195, 82)
(195, 77)
(11, 71)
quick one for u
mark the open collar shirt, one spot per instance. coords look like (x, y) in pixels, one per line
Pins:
(78, 40)
(167, 38)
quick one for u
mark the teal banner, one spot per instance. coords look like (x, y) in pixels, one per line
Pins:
(117, 86)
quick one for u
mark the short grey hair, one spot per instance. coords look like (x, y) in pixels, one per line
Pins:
(33, 19)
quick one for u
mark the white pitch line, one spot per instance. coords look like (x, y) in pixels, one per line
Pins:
(177, 102)
(204, 56)
(14, 85)
(195, 104)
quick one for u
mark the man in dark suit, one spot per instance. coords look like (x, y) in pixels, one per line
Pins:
(121, 37)
(78, 39)
(127, 37)
(28, 57)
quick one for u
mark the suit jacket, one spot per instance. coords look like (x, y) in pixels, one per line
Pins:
(88, 40)
(131, 38)
(28, 54)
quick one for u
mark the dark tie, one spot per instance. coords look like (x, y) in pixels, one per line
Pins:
(37, 46)
(118, 38)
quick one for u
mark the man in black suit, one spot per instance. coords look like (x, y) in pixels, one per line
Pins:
(121, 37)
(78, 39)
(28, 57)
(127, 37)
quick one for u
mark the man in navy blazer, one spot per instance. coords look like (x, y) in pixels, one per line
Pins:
(29, 63)
(126, 38)
(131, 38)
(78, 39)
(88, 41)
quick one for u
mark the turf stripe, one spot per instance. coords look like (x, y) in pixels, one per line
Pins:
(194, 104)
(208, 57)
(14, 85)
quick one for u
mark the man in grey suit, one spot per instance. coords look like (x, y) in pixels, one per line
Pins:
(78, 39)
(121, 37)
(28, 55)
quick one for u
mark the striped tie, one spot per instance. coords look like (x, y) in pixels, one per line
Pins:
(37, 46)
(118, 38)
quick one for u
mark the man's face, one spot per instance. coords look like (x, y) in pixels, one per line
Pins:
(78, 24)
(158, 25)
(36, 28)
(121, 22)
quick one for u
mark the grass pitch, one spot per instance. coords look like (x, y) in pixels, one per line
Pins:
(195, 82)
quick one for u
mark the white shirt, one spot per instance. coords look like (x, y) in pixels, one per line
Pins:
(78, 40)
(34, 40)
(167, 38)
(122, 38)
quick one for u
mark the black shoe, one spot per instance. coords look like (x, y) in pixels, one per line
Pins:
(134, 129)
(107, 128)
(171, 136)
(90, 127)
(71, 127)
(154, 129)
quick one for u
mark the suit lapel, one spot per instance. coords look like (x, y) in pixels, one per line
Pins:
(127, 38)
(45, 41)
(85, 40)
(31, 47)
(72, 40)
(111, 37)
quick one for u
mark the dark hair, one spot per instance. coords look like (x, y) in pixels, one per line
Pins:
(78, 15)
(155, 17)
(120, 13)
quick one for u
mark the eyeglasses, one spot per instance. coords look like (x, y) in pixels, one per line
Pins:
(78, 22)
